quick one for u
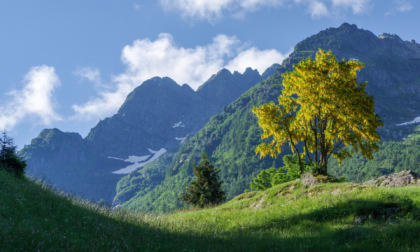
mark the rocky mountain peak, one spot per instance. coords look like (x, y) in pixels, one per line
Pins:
(345, 41)
(223, 74)
(271, 70)
(389, 36)
(218, 85)
(55, 136)
(347, 26)
(148, 116)
(158, 82)
(250, 71)
(155, 91)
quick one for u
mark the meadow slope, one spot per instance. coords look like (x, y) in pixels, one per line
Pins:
(288, 217)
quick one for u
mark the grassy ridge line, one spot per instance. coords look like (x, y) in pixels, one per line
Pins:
(287, 217)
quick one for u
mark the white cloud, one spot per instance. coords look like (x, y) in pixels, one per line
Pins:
(210, 9)
(357, 6)
(88, 73)
(403, 6)
(399, 6)
(258, 59)
(324, 8)
(214, 9)
(33, 100)
(145, 59)
(317, 9)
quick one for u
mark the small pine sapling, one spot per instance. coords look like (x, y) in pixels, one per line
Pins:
(206, 190)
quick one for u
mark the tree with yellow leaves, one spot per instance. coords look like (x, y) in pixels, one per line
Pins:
(321, 110)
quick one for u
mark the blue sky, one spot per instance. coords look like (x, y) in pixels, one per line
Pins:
(70, 63)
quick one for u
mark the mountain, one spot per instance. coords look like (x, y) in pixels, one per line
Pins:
(155, 117)
(230, 138)
(391, 69)
(160, 113)
(63, 160)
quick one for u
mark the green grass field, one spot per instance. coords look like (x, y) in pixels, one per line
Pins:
(288, 217)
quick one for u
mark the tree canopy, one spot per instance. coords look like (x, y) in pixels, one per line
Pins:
(321, 110)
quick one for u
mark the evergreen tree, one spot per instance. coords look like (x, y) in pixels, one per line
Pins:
(9, 160)
(206, 190)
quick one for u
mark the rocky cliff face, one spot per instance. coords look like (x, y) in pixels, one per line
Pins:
(153, 120)
(147, 119)
(160, 113)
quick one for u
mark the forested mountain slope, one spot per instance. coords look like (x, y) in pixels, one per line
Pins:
(230, 138)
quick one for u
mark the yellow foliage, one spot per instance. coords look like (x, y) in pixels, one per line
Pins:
(323, 106)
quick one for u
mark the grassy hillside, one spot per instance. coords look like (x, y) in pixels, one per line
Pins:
(288, 217)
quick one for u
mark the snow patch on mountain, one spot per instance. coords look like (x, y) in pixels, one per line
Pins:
(136, 159)
(416, 120)
(151, 151)
(132, 159)
(178, 124)
(139, 162)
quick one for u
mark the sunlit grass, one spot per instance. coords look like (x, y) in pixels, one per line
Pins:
(288, 217)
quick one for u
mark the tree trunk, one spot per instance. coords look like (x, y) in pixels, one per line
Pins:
(324, 162)
(300, 163)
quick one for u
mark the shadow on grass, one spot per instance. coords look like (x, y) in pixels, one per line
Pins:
(389, 224)
(36, 219)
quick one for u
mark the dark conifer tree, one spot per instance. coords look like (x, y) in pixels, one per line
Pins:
(9, 160)
(206, 190)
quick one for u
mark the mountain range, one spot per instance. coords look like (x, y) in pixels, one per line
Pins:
(154, 119)
(144, 153)
(230, 138)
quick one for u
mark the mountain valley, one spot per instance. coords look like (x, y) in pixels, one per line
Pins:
(141, 157)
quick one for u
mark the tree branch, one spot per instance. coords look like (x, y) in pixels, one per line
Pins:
(335, 147)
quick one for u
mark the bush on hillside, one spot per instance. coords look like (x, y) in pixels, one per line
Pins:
(272, 176)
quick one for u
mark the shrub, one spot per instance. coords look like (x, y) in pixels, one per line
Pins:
(272, 176)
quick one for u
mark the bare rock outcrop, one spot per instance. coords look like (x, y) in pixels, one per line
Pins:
(403, 178)
(309, 179)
